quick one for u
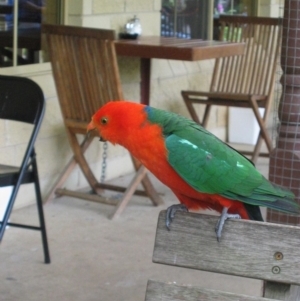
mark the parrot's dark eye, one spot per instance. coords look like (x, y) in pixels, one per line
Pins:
(103, 120)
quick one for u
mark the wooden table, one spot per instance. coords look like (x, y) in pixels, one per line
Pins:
(150, 47)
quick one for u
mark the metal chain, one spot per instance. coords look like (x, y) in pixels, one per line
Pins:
(104, 163)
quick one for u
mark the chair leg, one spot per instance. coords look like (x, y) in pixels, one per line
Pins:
(262, 126)
(66, 172)
(257, 148)
(206, 116)
(189, 105)
(39, 203)
(61, 180)
(151, 192)
(129, 192)
(80, 159)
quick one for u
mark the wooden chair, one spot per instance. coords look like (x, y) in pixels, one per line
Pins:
(250, 249)
(245, 81)
(86, 75)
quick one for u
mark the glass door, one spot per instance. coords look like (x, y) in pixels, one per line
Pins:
(187, 19)
(20, 37)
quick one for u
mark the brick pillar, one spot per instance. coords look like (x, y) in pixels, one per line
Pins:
(285, 159)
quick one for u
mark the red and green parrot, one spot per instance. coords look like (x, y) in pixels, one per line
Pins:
(201, 170)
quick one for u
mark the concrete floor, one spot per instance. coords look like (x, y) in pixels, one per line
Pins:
(94, 258)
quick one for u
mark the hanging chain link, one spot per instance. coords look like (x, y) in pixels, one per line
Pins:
(104, 163)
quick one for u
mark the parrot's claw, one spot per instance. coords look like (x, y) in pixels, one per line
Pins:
(171, 213)
(224, 216)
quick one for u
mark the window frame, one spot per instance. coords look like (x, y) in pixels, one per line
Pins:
(61, 11)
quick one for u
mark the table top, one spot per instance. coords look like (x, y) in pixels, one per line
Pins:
(177, 49)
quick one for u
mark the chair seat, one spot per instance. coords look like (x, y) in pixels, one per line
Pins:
(225, 99)
(9, 175)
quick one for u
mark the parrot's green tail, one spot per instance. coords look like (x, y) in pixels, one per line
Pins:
(279, 198)
(285, 205)
(271, 196)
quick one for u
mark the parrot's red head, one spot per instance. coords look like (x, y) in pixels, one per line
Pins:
(117, 120)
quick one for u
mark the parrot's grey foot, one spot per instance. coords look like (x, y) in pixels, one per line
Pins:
(224, 216)
(171, 213)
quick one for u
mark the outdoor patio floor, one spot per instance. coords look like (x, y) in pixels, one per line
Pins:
(94, 258)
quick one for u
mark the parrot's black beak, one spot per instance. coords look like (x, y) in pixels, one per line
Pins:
(90, 132)
(91, 127)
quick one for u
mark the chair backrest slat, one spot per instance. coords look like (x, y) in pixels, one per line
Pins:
(85, 69)
(254, 72)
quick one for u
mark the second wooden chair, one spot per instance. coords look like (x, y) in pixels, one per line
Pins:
(245, 81)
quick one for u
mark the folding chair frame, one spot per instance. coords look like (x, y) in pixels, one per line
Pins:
(22, 100)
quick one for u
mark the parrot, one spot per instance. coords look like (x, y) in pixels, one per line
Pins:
(202, 171)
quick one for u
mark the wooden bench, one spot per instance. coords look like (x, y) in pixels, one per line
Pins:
(265, 251)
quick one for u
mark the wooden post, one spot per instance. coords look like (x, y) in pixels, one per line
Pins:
(285, 159)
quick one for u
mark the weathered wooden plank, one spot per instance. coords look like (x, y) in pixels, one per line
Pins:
(249, 249)
(294, 293)
(167, 292)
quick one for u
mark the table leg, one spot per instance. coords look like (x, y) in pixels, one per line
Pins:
(145, 70)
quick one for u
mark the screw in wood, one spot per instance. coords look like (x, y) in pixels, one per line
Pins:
(278, 256)
(276, 270)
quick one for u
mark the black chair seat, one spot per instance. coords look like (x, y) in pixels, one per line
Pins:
(9, 175)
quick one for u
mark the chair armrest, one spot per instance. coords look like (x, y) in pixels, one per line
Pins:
(222, 95)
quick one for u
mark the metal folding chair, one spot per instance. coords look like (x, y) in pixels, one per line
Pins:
(22, 100)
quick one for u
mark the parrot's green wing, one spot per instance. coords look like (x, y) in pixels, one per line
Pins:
(210, 166)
